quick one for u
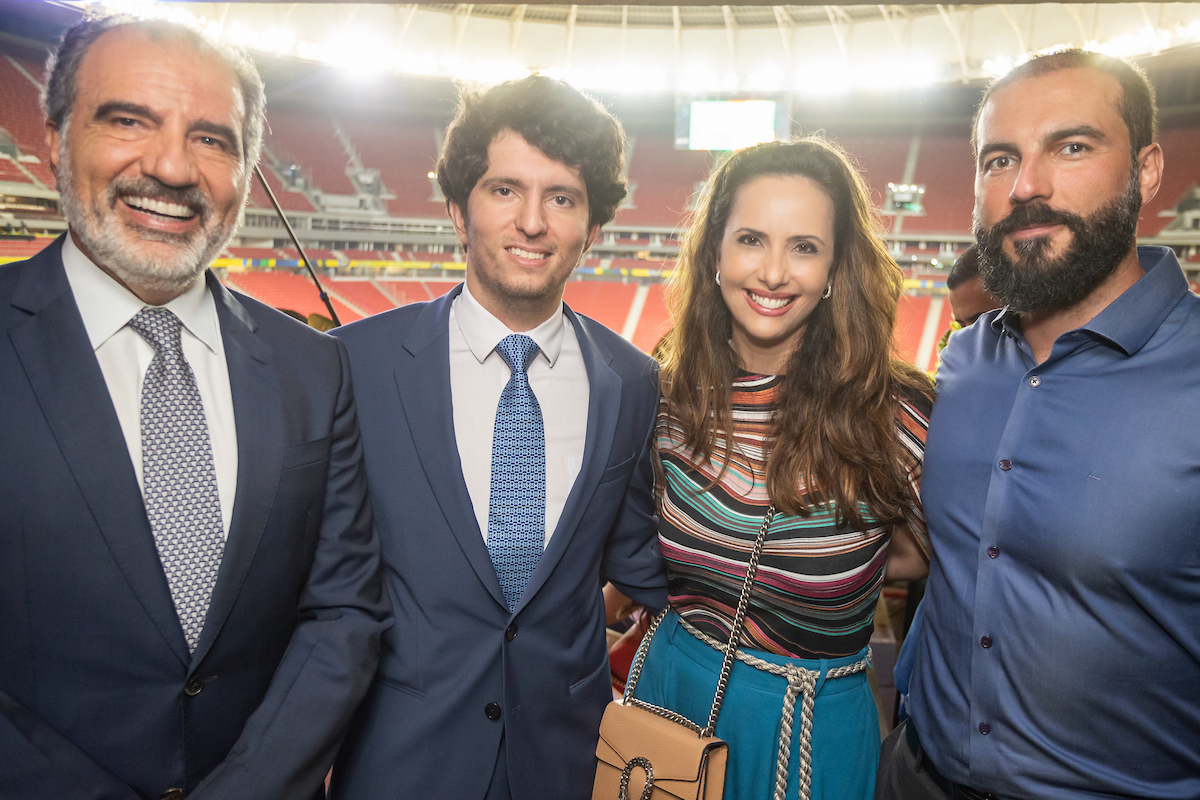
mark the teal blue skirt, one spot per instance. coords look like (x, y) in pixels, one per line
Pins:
(681, 674)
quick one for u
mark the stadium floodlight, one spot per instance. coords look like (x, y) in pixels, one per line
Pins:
(766, 79)
(904, 197)
(1146, 40)
(697, 78)
(998, 67)
(278, 40)
(483, 71)
(618, 79)
(822, 78)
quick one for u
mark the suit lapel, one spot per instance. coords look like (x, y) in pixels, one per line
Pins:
(258, 409)
(63, 372)
(429, 410)
(604, 406)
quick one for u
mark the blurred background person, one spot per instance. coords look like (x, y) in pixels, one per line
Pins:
(968, 299)
(783, 306)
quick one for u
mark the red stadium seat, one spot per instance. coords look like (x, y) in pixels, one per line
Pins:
(405, 154)
(1181, 171)
(362, 293)
(18, 249)
(606, 302)
(256, 253)
(22, 116)
(665, 180)
(289, 201)
(317, 254)
(291, 291)
(946, 167)
(369, 255)
(654, 322)
(10, 173)
(308, 140)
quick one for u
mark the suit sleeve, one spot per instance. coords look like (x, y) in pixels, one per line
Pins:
(632, 557)
(289, 742)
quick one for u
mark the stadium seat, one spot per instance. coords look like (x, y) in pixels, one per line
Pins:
(288, 290)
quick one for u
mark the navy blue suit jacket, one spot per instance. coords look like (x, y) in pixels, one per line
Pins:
(423, 731)
(99, 697)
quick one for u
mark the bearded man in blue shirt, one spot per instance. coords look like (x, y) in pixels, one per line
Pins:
(1060, 655)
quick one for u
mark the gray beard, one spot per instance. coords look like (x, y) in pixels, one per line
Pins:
(114, 247)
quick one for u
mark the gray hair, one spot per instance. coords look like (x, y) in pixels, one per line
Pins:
(62, 68)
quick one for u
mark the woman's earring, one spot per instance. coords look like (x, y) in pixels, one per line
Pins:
(828, 291)
(718, 279)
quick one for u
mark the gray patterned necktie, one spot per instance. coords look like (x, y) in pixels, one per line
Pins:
(178, 473)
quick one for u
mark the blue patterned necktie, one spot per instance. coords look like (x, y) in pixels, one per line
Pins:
(179, 476)
(516, 531)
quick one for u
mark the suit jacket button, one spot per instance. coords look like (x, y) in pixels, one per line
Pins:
(172, 794)
(510, 632)
(191, 689)
(491, 711)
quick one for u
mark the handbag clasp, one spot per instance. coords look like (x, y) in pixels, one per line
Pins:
(646, 766)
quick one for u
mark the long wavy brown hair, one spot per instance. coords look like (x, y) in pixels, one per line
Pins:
(834, 438)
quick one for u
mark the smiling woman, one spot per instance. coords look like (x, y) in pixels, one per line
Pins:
(776, 257)
(780, 393)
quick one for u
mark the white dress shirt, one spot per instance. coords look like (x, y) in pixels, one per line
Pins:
(106, 307)
(478, 375)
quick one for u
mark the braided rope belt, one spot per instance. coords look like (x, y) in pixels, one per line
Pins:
(800, 682)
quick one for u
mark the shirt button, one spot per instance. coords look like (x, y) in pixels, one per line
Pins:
(984, 728)
(993, 552)
(510, 632)
(1005, 464)
(491, 711)
(1035, 381)
(986, 642)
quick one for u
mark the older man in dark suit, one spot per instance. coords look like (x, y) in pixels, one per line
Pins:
(190, 601)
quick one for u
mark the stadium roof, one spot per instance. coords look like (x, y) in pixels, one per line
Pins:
(806, 50)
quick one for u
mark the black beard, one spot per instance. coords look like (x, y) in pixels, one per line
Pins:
(1036, 282)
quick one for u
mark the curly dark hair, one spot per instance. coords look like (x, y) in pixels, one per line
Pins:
(554, 117)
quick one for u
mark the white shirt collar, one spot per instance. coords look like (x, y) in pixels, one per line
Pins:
(482, 331)
(106, 306)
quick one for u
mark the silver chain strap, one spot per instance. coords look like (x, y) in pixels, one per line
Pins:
(739, 619)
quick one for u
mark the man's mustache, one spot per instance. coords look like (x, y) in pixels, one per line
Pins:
(154, 189)
(1035, 214)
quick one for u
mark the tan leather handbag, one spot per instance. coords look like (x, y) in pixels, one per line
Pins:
(653, 753)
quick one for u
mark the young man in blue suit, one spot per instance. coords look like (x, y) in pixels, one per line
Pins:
(190, 596)
(507, 447)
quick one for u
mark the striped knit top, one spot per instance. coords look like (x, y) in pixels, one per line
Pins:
(817, 584)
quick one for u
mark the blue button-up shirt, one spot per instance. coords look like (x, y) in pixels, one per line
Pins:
(1060, 655)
